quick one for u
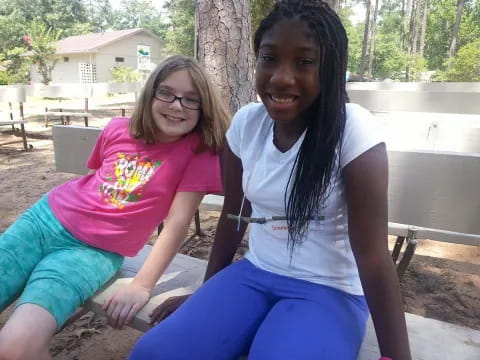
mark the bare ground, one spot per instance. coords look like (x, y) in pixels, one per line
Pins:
(443, 281)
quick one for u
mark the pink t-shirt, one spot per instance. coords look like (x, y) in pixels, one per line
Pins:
(119, 206)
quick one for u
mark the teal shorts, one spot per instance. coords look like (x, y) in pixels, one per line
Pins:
(43, 264)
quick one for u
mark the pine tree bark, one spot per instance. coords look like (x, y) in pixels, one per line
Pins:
(407, 14)
(414, 20)
(423, 31)
(402, 17)
(453, 45)
(366, 32)
(418, 25)
(224, 47)
(373, 28)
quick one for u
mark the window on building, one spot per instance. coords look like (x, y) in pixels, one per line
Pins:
(119, 59)
(66, 59)
(88, 73)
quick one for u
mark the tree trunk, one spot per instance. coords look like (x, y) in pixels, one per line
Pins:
(423, 31)
(225, 48)
(412, 34)
(402, 17)
(373, 28)
(414, 19)
(366, 32)
(406, 22)
(416, 26)
(453, 45)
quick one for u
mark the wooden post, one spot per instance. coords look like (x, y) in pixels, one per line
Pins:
(46, 117)
(22, 127)
(86, 110)
(11, 115)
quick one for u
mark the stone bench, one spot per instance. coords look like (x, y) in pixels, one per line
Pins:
(429, 339)
(431, 195)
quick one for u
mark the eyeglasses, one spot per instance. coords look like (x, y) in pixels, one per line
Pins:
(167, 96)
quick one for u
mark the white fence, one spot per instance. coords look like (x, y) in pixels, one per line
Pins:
(81, 90)
(456, 98)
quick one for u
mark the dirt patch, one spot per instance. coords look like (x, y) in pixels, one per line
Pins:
(443, 281)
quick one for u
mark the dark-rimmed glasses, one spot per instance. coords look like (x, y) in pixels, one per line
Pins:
(167, 96)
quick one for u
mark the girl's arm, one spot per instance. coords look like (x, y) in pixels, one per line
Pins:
(227, 238)
(125, 303)
(366, 182)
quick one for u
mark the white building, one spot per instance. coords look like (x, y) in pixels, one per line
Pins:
(89, 58)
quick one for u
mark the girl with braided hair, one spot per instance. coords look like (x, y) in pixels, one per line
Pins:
(309, 173)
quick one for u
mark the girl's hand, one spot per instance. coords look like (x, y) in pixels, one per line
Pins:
(122, 306)
(162, 311)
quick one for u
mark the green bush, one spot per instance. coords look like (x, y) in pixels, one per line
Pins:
(416, 66)
(125, 74)
(465, 66)
(17, 66)
(4, 78)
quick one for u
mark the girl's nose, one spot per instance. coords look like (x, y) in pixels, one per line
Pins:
(175, 105)
(283, 76)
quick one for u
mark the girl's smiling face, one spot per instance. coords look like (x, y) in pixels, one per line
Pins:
(287, 72)
(172, 119)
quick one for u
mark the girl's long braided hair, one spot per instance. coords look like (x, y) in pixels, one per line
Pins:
(316, 162)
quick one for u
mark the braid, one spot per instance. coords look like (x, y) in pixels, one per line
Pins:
(313, 173)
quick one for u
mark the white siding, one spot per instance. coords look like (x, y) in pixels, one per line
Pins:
(104, 59)
(64, 72)
(34, 74)
(126, 48)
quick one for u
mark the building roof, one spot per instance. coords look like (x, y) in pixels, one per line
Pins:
(90, 43)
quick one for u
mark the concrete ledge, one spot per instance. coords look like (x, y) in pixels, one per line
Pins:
(429, 339)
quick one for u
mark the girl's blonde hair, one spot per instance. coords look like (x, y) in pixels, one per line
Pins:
(214, 116)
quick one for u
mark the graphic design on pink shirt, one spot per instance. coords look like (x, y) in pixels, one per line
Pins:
(126, 185)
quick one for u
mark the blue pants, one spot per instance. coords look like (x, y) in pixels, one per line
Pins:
(245, 310)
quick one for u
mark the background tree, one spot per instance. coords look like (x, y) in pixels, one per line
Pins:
(412, 28)
(354, 34)
(225, 48)
(41, 42)
(259, 9)
(373, 28)
(465, 66)
(423, 31)
(61, 15)
(17, 66)
(406, 38)
(456, 27)
(366, 35)
(100, 15)
(180, 34)
(138, 14)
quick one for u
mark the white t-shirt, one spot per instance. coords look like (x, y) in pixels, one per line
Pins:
(324, 256)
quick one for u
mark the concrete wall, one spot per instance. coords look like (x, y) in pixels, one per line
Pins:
(457, 98)
(429, 131)
(12, 94)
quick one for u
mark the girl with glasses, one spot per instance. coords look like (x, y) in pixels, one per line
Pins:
(312, 173)
(154, 167)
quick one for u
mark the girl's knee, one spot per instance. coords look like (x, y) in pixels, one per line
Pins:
(14, 346)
